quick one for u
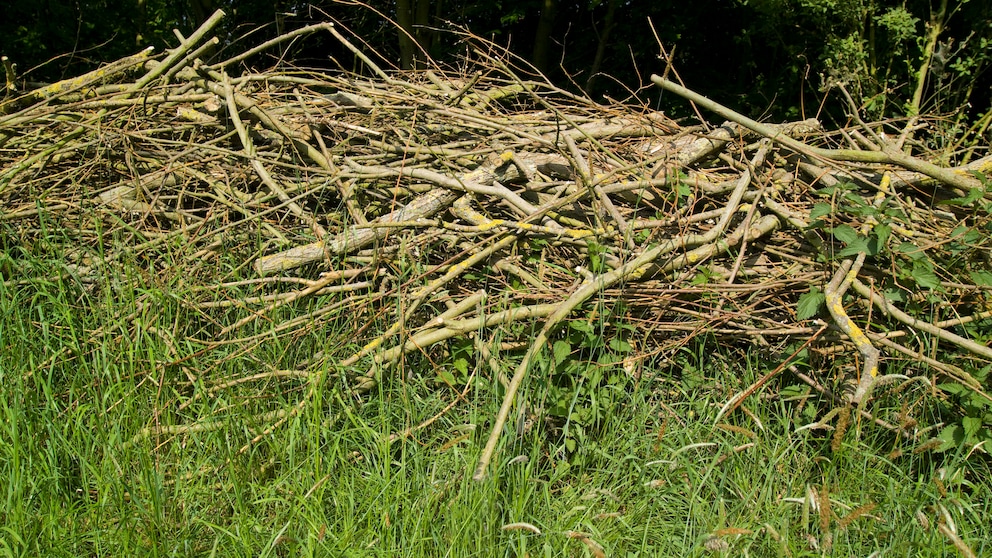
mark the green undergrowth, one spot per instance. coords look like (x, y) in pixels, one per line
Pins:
(116, 440)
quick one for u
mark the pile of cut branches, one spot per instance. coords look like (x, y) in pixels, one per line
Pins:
(483, 200)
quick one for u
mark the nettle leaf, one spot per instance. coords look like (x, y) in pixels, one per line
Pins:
(911, 250)
(895, 295)
(819, 210)
(960, 232)
(872, 246)
(858, 206)
(702, 277)
(956, 389)
(982, 278)
(952, 436)
(620, 346)
(969, 198)
(971, 426)
(809, 303)
(446, 377)
(580, 325)
(561, 350)
(854, 248)
(845, 233)
(461, 365)
(882, 234)
(924, 276)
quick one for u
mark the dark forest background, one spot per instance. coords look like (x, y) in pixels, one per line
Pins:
(771, 59)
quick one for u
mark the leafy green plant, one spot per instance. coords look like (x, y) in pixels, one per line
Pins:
(584, 378)
(972, 425)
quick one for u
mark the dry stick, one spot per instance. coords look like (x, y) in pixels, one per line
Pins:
(180, 52)
(344, 190)
(317, 286)
(421, 294)
(10, 84)
(888, 155)
(469, 183)
(424, 206)
(705, 242)
(354, 238)
(456, 98)
(823, 390)
(834, 294)
(584, 174)
(361, 55)
(74, 84)
(277, 297)
(935, 27)
(270, 43)
(456, 328)
(249, 147)
(202, 426)
(8, 175)
(267, 120)
(462, 209)
(950, 370)
(453, 329)
(887, 308)
(745, 232)
(211, 43)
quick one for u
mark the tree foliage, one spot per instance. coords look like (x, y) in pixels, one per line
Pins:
(773, 58)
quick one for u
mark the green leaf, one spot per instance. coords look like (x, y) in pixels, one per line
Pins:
(446, 376)
(924, 276)
(911, 250)
(580, 325)
(620, 346)
(956, 389)
(952, 436)
(461, 365)
(982, 278)
(972, 195)
(809, 303)
(971, 426)
(882, 233)
(855, 248)
(845, 233)
(895, 295)
(570, 444)
(819, 210)
(561, 350)
(794, 390)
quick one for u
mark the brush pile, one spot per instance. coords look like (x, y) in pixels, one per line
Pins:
(491, 208)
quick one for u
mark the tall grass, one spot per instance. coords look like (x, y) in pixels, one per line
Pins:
(87, 368)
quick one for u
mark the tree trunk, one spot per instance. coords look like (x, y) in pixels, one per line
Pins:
(422, 19)
(542, 37)
(604, 36)
(404, 17)
(202, 9)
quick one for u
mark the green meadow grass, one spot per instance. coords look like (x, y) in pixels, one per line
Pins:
(85, 370)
